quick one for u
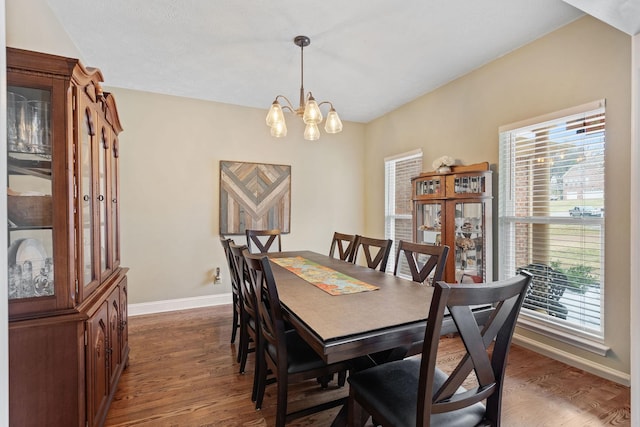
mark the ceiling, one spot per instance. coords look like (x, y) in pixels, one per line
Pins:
(367, 57)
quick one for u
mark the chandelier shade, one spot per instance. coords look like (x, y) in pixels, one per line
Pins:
(275, 116)
(309, 108)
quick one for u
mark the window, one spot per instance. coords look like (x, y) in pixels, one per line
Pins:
(551, 217)
(397, 213)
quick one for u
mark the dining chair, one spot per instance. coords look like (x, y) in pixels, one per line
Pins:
(414, 392)
(345, 244)
(421, 259)
(248, 312)
(284, 352)
(235, 290)
(376, 251)
(263, 240)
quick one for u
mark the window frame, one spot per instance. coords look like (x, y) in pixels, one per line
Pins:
(575, 334)
(390, 215)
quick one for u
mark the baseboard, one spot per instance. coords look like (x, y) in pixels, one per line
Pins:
(178, 304)
(573, 360)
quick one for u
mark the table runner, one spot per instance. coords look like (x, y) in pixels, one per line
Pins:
(331, 281)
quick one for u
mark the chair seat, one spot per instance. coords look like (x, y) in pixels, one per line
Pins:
(392, 388)
(300, 357)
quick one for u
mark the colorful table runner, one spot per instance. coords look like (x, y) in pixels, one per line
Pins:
(331, 281)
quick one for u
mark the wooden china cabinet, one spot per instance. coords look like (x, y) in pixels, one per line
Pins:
(454, 209)
(68, 341)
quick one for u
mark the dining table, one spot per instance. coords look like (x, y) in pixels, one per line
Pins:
(349, 325)
(346, 311)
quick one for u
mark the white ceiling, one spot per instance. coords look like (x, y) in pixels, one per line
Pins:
(367, 57)
(621, 14)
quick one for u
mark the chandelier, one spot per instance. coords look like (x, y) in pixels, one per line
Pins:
(309, 109)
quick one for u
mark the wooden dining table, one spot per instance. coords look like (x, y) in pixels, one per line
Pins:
(355, 325)
(343, 327)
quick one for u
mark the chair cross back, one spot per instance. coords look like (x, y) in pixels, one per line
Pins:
(489, 367)
(248, 313)
(263, 240)
(369, 246)
(235, 288)
(345, 244)
(267, 301)
(227, 253)
(247, 291)
(440, 399)
(419, 270)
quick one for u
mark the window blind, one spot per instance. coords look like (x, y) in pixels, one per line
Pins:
(551, 214)
(399, 170)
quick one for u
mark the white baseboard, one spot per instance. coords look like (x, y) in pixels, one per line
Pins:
(573, 360)
(179, 304)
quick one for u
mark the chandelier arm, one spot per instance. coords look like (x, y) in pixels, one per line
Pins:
(288, 105)
(326, 102)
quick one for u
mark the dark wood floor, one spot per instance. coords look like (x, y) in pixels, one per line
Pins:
(182, 372)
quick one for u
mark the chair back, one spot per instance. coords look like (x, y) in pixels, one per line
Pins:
(263, 240)
(247, 291)
(227, 252)
(376, 251)
(345, 244)
(439, 393)
(422, 259)
(270, 319)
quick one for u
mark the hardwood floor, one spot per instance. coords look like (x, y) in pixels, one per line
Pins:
(182, 372)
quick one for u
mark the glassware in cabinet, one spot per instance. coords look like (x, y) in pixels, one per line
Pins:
(30, 207)
(469, 242)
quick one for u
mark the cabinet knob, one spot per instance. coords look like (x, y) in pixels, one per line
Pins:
(114, 200)
(85, 198)
(101, 197)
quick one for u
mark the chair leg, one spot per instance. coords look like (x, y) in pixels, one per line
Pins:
(243, 345)
(324, 380)
(235, 319)
(243, 350)
(355, 413)
(342, 378)
(259, 379)
(281, 408)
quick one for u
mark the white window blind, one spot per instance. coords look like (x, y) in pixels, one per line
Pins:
(551, 215)
(398, 219)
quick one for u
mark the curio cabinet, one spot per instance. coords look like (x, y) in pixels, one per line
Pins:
(454, 209)
(68, 341)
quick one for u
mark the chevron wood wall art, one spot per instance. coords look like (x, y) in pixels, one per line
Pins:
(254, 196)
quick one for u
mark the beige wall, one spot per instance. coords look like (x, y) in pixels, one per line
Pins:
(171, 148)
(581, 62)
(43, 32)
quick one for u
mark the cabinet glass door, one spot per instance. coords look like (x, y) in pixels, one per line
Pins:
(469, 238)
(86, 195)
(429, 224)
(29, 193)
(115, 226)
(103, 158)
